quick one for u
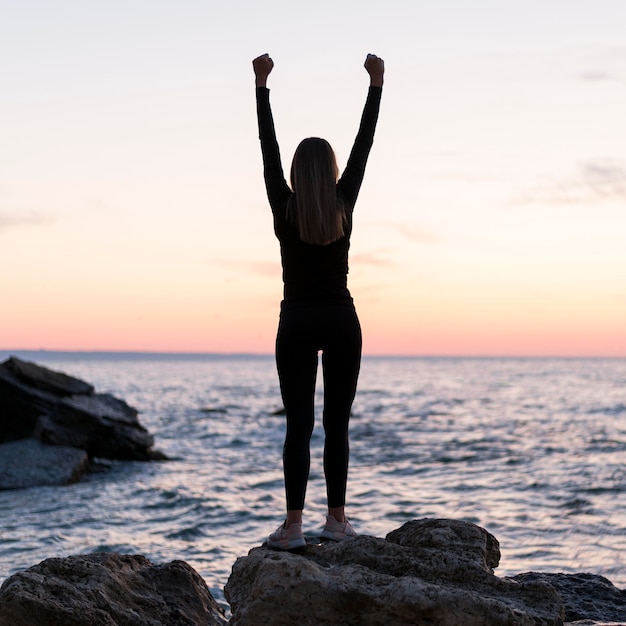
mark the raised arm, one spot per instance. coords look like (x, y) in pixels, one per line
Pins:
(275, 183)
(350, 182)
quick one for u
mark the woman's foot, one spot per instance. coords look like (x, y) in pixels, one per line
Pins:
(337, 531)
(287, 538)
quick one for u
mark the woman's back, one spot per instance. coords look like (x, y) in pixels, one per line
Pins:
(312, 271)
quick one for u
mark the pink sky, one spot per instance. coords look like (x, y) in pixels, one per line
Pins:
(491, 220)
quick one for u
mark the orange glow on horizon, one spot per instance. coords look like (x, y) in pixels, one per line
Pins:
(423, 336)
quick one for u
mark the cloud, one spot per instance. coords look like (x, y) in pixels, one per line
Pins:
(595, 76)
(377, 258)
(257, 268)
(409, 230)
(596, 181)
(15, 220)
(606, 178)
(417, 235)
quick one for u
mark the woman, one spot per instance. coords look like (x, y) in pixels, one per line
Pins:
(313, 223)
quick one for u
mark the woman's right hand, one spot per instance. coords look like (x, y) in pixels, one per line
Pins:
(375, 67)
(262, 66)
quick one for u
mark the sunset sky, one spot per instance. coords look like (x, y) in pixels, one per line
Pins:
(492, 219)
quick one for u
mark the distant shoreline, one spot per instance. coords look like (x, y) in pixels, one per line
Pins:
(130, 355)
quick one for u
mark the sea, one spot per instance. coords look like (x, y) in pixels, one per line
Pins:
(531, 449)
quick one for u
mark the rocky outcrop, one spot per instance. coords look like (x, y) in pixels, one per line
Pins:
(590, 622)
(108, 590)
(61, 410)
(28, 391)
(433, 572)
(41, 410)
(30, 463)
(586, 597)
(101, 424)
(426, 572)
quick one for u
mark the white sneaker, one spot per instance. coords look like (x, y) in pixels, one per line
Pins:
(336, 531)
(287, 538)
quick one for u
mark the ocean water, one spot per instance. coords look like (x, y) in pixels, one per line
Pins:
(533, 450)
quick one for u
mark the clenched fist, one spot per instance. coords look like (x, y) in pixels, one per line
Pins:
(375, 67)
(262, 66)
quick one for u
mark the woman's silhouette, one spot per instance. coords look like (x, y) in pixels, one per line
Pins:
(313, 223)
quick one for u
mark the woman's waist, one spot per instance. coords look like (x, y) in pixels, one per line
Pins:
(297, 296)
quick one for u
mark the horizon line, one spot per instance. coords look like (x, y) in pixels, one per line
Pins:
(168, 353)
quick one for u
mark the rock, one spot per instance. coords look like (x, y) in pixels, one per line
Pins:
(99, 423)
(108, 590)
(585, 596)
(60, 410)
(590, 622)
(21, 404)
(426, 572)
(45, 379)
(30, 463)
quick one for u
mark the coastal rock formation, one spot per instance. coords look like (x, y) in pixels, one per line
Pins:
(108, 590)
(427, 572)
(586, 596)
(30, 463)
(28, 391)
(61, 410)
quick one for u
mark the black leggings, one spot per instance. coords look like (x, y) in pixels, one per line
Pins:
(302, 332)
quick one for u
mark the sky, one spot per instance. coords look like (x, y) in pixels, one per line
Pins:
(491, 220)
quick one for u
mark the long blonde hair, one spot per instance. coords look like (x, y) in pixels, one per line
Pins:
(315, 209)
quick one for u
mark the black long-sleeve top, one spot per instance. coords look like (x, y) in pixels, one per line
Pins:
(314, 272)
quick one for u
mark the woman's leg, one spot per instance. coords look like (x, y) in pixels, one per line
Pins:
(296, 360)
(341, 362)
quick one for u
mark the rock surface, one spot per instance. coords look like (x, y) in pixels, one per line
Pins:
(30, 463)
(585, 596)
(61, 410)
(428, 572)
(590, 622)
(108, 590)
(99, 423)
